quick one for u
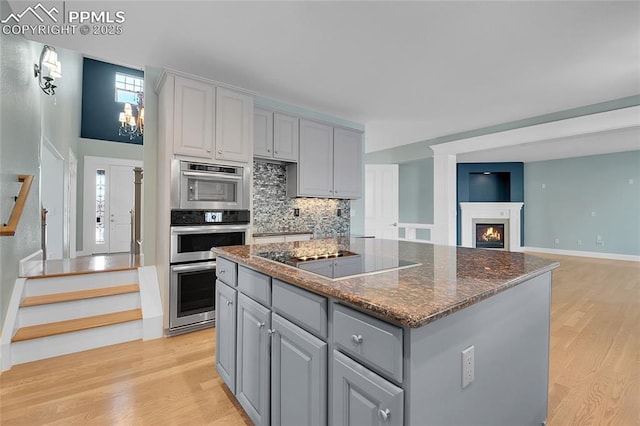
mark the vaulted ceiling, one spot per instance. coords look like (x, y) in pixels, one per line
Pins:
(450, 66)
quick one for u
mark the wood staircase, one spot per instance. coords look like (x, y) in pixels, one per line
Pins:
(63, 314)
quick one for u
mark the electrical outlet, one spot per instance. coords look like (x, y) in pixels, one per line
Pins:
(557, 241)
(339, 212)
(296, 212)
(579, 242)
(468, 366)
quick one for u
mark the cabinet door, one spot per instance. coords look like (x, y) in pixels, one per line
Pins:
(252, 362)
(234, 125)
(361, 397)
(298, 376)
(226, 334)
(315, 166)
(286, 137)
(193, 118)
(347, 164)
(262, 133)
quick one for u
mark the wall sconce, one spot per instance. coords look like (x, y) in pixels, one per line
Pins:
(48, 59)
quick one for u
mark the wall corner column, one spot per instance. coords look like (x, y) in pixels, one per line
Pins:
(445, 198)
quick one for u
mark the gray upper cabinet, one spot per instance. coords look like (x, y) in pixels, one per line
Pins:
(314, 173)
(252, 362)
(276, 135)
(361, 397)
(298, 376)
(234, 125)
(193, 118)
(330, 163)
(262, 133)
(226, 299)
(347, 163)
(286, 137)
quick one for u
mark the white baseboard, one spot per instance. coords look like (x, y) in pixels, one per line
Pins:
(597, 255)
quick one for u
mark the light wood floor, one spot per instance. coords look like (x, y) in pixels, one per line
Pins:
(594, 377)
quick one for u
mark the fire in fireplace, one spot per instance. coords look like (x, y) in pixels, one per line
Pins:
(490, 235)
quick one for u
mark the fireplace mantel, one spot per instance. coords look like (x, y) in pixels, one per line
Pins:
(489, 211)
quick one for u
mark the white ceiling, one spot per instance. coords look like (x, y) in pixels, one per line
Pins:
(450, 66)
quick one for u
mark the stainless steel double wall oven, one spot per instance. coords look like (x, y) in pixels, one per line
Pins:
(210, 208)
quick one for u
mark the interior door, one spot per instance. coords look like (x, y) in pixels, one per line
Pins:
(120, 205)
(381, 201)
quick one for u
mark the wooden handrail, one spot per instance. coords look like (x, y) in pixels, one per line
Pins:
(10, 229)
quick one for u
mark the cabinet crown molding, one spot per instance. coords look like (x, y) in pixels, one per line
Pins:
(169, 71)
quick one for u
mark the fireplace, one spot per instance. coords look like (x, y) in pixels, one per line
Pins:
(490, 235)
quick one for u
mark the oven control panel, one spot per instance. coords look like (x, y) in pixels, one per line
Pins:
(206, 217)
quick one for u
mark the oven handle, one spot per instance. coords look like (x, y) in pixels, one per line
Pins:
(196, 267)
(207, 229)
(211, 175)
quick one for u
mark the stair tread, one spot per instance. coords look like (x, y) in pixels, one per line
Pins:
(68, 326)
(78, 295)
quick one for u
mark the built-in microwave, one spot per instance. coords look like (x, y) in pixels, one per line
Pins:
(209, 186)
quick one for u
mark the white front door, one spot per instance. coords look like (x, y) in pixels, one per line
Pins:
(108, 200)
(381, 201)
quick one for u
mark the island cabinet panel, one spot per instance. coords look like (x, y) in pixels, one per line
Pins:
(304, 308)
(298, 376)
(255, 285)
(252, 362)
(193, 118)
(226, 299)
(369, 340)
(227, 271)
(361, 397)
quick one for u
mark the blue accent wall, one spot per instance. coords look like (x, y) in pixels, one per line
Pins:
(504, 184)
(100, 111)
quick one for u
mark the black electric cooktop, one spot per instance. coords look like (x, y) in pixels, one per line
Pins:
(337, 264)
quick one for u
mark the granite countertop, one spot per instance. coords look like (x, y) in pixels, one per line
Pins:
(275, 234)
(448, 278)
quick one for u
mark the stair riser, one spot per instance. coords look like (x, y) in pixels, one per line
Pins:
(62, 344)
(54, 312)
(41, 286)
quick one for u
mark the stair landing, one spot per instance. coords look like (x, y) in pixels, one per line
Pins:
(80, 265)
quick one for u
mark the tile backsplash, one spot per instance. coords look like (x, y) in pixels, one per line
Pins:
(273, 211)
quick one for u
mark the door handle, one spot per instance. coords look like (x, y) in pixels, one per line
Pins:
(394, 224)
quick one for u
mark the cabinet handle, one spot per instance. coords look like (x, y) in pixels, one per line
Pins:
(268, 150)
(260, 324)
(209, 151)
(229, 302)
(219, 151)
(221, 271)
(356, 339)
(275, 152)
(271, 331)
(384, 415)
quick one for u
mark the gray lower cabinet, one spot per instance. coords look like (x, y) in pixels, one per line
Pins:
(252, 359)
(361, 397)
(226, 298)
(298, 376)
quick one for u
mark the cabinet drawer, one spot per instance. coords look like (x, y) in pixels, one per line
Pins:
(370, 340)
(301, 307)
(227, 271)
(255, 285)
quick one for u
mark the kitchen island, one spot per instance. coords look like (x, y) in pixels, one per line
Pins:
(407, 333)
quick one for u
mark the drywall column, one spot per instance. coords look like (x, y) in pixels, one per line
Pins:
(444, 198)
